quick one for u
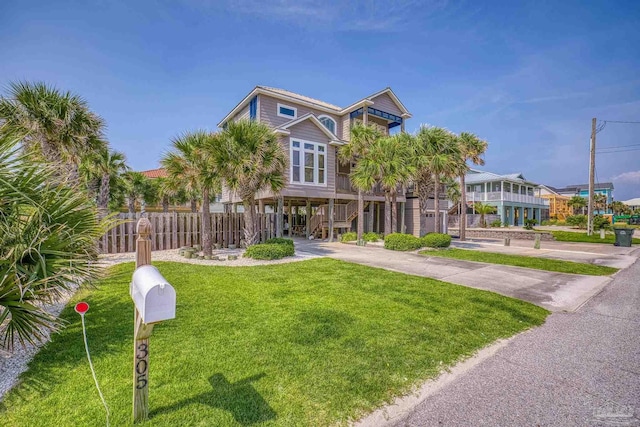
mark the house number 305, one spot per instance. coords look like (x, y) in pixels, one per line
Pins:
(141, 365)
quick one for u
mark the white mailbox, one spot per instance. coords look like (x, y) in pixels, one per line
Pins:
(153, 296)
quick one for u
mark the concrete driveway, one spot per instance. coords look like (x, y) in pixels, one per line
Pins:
(554, 291)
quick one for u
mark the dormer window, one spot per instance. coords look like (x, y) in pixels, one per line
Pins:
(329, 123)
(287, 111)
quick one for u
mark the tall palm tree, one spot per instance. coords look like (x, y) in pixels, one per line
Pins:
(251, 159)
(483, 209)
(58, 127)
(48, 235)
(192, 163)
(361, 138)
(600, 202)
(471, 149)
(436, 156)
(137, 189)
(106, 165)
(387, 161)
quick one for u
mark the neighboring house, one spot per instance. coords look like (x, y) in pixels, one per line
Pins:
(311, 132)
(558, 204)
(155, 173)
(582, 190)
(634, 204)
(512, 195)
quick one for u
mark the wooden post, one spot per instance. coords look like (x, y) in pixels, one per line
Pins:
(371, 215)
(402, 212)
(279, 216)
(308, 215)
(331, 204)
(290, 219)
(142, 332)
(536, 243)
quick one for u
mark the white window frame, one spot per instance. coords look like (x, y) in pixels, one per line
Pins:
(295, 111)
(316, 168)
(335, 123)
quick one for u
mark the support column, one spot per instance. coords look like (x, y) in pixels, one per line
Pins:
(308, 215)
(378, 217)
(331, 202)
(370, 219)
(402, 208)
(261, 206)
(290, 219)
(365, 115)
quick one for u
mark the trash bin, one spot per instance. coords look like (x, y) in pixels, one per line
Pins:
(623, 236)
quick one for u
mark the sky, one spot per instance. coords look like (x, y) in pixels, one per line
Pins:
(525, 76)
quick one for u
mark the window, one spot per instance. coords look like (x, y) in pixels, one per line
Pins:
(329, 123)
(253, 108)
(308, 162)
(286, 111)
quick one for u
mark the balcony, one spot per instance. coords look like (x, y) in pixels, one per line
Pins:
(343, 185)
(506, 197)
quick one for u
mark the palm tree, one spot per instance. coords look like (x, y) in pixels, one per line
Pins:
(250, 159)
(58, 127)
(361, 138)
(48, 235)
(436, 157)
(137, 189)
(387, 161)
(169, 192)
(453, 190)
(471, 149)
(576, 203)
(620, 208)
(192, 163)
(483, 209)
(600, 202)
(106, 165)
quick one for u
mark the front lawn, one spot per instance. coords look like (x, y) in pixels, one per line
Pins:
(311, 343)
(547, 264)
(582, 237)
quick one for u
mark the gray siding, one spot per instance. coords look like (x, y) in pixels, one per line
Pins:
(385, 103)
(242, 114)
(269, 112)
(345, 128)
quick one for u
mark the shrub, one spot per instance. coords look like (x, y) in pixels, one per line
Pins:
(371, 237)
(269, 251)
(496, 223)
(579, 221)
(280, 241)
(529, 223)
(349, 237)
(402, 242)
(436, 240)
(601, 222)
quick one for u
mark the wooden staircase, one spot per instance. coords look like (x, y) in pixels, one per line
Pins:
(343, 216)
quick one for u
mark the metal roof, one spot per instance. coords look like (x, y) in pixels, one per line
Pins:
(300, 97)
(477, 176)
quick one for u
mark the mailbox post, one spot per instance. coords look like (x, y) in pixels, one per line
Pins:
(155, 300)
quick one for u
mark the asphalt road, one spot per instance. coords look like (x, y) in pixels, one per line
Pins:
(578, 369)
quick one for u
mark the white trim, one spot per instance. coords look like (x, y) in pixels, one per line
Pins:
(295, 111)
(314, 119)
(316, 168)
(335, 123)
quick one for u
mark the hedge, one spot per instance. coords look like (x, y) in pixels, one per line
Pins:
(402, 242)
(371, 237)
(280, 241)
(436, 240)
(270, 251)
(349, 237)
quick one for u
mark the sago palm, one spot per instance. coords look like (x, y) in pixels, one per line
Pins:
(471, 149)
(251, 159)
(192, 165)
(483, 209)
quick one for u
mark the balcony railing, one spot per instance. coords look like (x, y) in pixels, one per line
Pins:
(497, 196)
(343, 185)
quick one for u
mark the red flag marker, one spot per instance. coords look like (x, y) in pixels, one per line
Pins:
(81, 308)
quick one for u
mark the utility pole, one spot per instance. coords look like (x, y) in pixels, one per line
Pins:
(592, 168)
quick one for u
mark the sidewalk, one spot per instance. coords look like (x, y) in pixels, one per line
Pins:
(553, 291)
(578, 369)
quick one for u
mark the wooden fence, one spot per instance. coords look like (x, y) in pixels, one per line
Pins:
(174, 230)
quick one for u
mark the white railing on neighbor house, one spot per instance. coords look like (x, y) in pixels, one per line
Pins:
(497, 196)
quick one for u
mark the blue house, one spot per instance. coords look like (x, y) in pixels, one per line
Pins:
(582, 190)
(511, 194)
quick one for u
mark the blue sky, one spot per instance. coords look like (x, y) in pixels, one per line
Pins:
(526, 76)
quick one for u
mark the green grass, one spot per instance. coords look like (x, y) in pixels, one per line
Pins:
(570, 236)
(547, 264)
(310, 343)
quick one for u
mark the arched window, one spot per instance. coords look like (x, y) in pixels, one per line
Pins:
(329, 123)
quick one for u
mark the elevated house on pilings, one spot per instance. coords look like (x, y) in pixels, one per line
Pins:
(319, 199)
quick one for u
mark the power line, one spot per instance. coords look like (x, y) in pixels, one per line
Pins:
(618, 151)
(620, 121)
(619, 146)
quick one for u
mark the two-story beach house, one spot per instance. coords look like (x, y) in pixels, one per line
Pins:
(582, 190)
(311, 131)
(512, 195)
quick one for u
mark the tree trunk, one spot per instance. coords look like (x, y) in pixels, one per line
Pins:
(131, 203)
(394, 212)
(194, 205)
(165, 204)
(103, 195)
(206, 223)
(360, 217)
(423, 184)
(436, 202)
(462, 226)
(387, 214)
(250, 235)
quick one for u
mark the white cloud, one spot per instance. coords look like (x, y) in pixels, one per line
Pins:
(632, 177)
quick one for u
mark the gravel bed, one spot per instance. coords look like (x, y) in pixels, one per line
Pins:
(12, 364)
